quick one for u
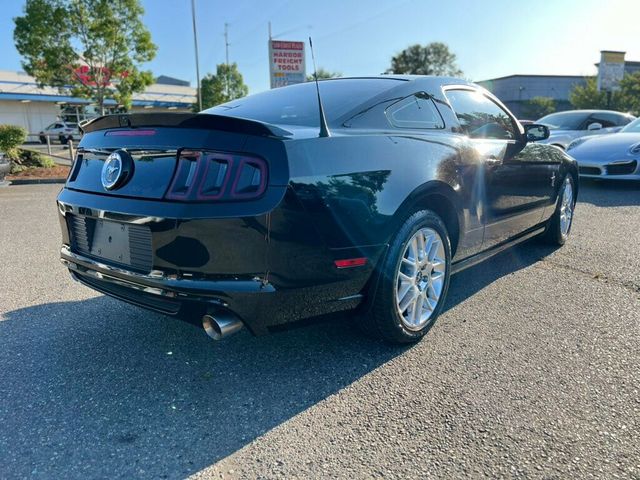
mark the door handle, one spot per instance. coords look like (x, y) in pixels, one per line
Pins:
(492, 160)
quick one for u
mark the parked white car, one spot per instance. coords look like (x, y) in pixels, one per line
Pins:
(615, 157)
(565, 127)
(61, 131)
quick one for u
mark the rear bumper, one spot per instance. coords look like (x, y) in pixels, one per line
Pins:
(267, 269)
(186, 299)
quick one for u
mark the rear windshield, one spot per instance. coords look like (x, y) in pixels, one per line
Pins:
(298, 104)
(564, 120)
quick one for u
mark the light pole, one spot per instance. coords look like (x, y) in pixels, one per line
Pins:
(195, 43)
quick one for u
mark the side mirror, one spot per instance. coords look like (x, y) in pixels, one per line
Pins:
(594, 126)
(536, 132)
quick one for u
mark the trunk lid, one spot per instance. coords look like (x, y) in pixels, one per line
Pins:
(150, 147)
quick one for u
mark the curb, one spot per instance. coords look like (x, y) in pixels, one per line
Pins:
(36, 181)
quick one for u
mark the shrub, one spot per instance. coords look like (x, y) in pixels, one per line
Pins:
(46, 162)
(538, 107)
(23, 159)
(29, 158)
(11, 137)
(16, 168)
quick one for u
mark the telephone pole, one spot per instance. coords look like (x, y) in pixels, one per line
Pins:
(195, 43)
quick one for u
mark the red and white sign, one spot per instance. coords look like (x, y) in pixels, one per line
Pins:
(286, 63)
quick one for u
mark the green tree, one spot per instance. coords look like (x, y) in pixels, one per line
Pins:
(587, 96)
(227, 84)
(538, 107)
(94, 46)
(630, 93)
(432, 59)
(625, 99)
(323, 74)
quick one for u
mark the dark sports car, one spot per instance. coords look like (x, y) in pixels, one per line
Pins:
(263, 210)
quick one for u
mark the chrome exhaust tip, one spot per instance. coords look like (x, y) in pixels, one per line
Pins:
(221, 324)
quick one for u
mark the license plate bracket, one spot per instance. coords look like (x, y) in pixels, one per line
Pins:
(111, 241)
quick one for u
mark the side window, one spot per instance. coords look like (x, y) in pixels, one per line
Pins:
(622, 120)
(415, 111)
(607, 120)
(58, 125)
(480, 117)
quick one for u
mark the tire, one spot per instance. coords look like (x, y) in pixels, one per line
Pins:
(401, 279)
(43, 139)
(559, 225)
(63, 140)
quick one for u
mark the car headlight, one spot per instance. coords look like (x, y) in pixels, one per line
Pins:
(576, 142)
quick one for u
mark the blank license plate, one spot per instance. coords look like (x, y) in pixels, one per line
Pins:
(111, 241)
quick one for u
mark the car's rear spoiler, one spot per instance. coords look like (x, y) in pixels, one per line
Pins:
(202, 121)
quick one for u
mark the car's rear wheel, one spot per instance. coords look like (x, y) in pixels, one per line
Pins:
(559, 226)
(413, 282)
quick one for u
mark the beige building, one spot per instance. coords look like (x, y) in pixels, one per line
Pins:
(25, 104)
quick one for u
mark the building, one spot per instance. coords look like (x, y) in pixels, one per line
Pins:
(25, 104)
(515, 90)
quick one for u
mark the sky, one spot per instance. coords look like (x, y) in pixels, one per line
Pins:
(491, 38)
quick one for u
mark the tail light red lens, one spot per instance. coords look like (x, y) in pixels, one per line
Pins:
(202, 176)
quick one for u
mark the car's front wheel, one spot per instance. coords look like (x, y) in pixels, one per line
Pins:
(413, 282)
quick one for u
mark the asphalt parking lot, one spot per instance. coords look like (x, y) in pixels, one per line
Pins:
(533, 370)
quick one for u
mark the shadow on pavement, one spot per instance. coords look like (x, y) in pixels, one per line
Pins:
(98, 388)
(609, 193)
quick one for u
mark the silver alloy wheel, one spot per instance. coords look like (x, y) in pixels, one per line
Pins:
(566, 208)
(420, 278)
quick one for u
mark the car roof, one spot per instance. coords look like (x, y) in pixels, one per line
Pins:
(586, 110)
(431, 81)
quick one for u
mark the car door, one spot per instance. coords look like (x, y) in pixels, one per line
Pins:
(517, 181)
(56, 128)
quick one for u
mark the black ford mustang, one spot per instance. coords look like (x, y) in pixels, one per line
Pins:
(260, 212)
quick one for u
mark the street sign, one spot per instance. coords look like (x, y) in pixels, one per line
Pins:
(286, 63)
(610, 70)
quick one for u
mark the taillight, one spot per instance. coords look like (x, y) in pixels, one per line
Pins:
(204, 175)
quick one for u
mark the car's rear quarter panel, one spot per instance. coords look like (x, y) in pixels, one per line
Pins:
(359, 187)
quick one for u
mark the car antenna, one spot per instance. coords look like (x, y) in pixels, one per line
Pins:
(324, 128)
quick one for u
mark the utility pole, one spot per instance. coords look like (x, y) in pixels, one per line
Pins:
(226, 49)
(195, 43)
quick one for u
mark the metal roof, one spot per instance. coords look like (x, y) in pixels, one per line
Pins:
(19, 86)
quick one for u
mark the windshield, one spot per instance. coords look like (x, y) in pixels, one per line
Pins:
(564, 120)
(633, 127)
(298, 104)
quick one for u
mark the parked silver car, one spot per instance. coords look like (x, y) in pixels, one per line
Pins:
(565, 127)
(609, 156)
(61, 131)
